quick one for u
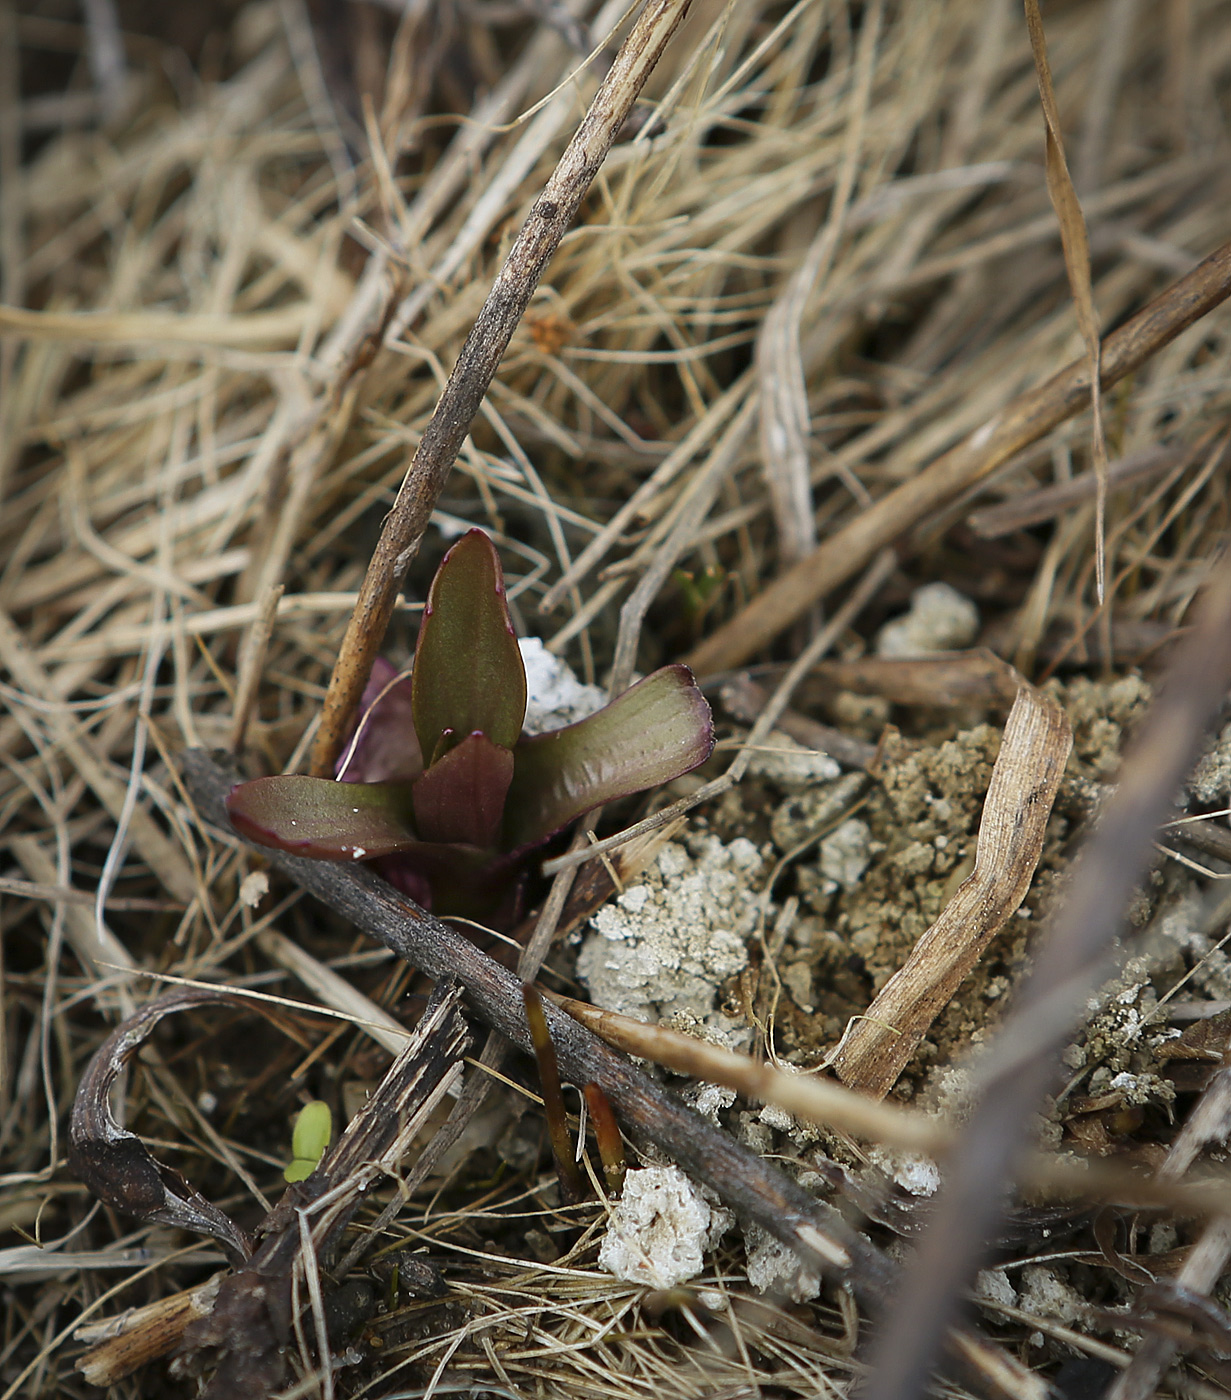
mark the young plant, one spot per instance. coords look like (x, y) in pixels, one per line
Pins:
(311, 1135)
(440, 789)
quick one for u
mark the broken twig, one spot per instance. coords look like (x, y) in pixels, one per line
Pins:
(877, 1046)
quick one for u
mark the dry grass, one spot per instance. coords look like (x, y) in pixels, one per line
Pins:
(824, 256)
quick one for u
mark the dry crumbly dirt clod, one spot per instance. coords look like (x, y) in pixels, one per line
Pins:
(666, 944)
(915, 827)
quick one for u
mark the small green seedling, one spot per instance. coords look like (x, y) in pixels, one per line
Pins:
(310, 1137)
(440, 788)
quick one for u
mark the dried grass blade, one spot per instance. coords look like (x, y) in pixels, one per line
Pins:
(1050, 501)
(99, 951)
(804, 1095)
(707, 427)
(1076, 244)
(258, 329)
(785, 423)
(1037, 740)
(164, 858)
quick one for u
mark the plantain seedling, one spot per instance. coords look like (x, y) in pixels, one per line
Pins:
(440, 789)
(309, 1139)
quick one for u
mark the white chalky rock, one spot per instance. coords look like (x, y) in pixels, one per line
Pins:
(665, 945)
(914, 1173)
(788, 764)
(660, 1229)
(940, 619)
(1045, 1294)
(775, 1268)
(1211, 779)
(845, 853)
(554, 695)
(994, 1285)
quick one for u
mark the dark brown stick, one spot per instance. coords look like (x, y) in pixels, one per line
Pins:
(480, 356)
(753, 1187)
(1022, 422)
(1021, 1065)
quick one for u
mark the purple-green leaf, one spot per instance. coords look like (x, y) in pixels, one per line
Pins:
(468, 670)
(386, 750)
(652, 733)
(461, 796)
(324, 819)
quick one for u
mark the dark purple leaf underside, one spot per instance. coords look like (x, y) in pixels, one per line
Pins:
(468, 670)
(322, 818)
(651, 734)
(387, 749)
(461, 796)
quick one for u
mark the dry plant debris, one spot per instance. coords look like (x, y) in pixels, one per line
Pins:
(813, 303)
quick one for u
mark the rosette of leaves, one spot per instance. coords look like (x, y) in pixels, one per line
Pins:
(440, 789)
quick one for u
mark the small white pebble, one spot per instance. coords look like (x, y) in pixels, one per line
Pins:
(253, 889)
(660, 1229)
(940, 619)
(774, 1117)
(994, 1285)
(773, 1268)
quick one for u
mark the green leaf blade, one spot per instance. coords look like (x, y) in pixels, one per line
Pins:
(468, 674)
(654, 732)
(461, 797)
(324, 819)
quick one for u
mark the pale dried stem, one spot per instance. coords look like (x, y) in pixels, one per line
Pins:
(878, 1045)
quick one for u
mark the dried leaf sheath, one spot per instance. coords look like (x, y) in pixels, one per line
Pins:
(115, 1164)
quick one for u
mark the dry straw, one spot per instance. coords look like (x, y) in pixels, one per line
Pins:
(820, 255)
